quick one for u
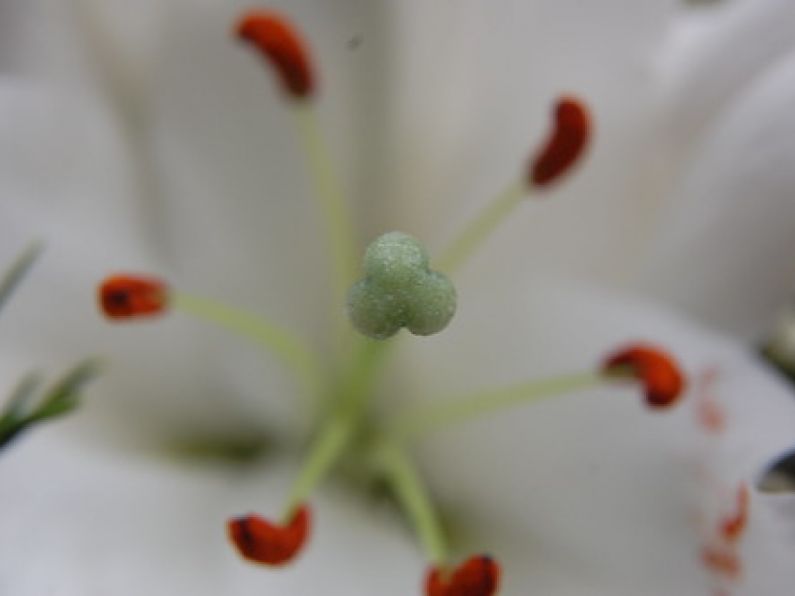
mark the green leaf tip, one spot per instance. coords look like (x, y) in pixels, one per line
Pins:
(400, 290)
(63, 397)
(18, 270)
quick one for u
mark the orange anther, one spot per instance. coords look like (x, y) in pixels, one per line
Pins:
(566, 143)
(477, 576)
(261, 541)
(131, 296)
(662, 380)
(279, 42)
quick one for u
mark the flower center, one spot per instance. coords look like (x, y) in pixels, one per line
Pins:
(400, 287)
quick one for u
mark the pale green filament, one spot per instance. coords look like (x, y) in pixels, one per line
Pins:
(323, 454)
(479, 229)
(333, 205)
(472, 405)
(410, 492)
(283, 344)
(351, 397)
(399, 290)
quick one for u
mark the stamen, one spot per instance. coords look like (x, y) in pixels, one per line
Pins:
(274, 338)
(261, 541)
(733, 527)
(323, 454)
(477, 576)
(453, 410)
(280, 44)
(351, 399)
(662, 379)
(332, 203)
(132, 296)
(399, 290)
(566, 143)
(563, 149)
(474, 234)
(410, 492)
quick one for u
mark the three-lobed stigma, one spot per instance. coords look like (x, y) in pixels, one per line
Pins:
(400, 290)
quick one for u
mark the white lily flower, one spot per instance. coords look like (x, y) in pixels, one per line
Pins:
(143, 137)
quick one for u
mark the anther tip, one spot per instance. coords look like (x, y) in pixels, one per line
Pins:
(566, 143)
(132, 296)
(477, 576)
(279, 42)
(261, 541)
(662, 378)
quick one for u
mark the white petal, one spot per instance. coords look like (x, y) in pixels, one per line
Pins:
(727, 253)
(42, 38)
(228, 172)
(211, 171)
(71, 183)
(78, 521)
(715, 56)
(473, 88)
(591, 493)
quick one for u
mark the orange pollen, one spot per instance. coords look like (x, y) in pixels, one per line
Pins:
(733, 526)
(261, 541)
(131, 296)
(722, 562)
(710, 414)
(566, 142)
(280, 44)
(662, 379)
(477, 576)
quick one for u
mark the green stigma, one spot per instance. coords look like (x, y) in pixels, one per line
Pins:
(400, 290)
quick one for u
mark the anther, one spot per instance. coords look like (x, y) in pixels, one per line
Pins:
(566, 143)
(662, 380)
(280, 43)
(477, 576)
(261, 541)
(399, 290)
(132, 296)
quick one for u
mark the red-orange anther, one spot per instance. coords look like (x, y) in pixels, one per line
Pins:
(566, 143)
(662, 380)
(131, 296)
(733, 526)
(477, 576)
(280, 43)
(722, 561)
(261, 541)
